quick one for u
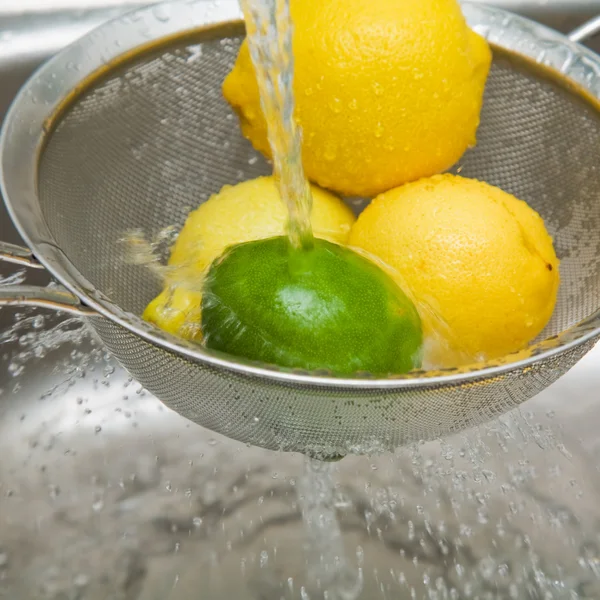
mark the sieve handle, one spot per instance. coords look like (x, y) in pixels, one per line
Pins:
(586, 31)
(18, 255)
(57, 299)
(35, 295)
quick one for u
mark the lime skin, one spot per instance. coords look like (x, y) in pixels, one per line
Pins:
(325, 307)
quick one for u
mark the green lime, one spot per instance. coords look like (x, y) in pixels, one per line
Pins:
(322, 308)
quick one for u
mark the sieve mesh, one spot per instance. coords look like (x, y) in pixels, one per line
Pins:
(324, 421)
(153, 139)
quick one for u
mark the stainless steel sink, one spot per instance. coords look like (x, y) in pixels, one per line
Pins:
(105, 494)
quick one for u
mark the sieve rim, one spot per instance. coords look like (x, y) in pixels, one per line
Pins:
(146, 26)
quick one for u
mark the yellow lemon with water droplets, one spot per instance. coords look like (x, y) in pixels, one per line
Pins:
(481, 258)
(248, 211)
(386, 92)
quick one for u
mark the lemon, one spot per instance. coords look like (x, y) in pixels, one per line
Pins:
(482, 258)
(247, 211)
(176, 310)
(386, 92)
(323, 308)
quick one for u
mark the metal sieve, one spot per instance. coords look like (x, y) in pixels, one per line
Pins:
(127, 129)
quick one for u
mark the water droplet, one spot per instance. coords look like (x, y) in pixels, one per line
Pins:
(353, 104)
(264, 558)
(81, 580)
(335, 105)
(197, 521)
(15, 369)
(377, 89)
(194, 52)
(308, 91)
(97, 429)
(378, 130)
(330, 153)
(162, 12)
(98, 505)
(37, 322)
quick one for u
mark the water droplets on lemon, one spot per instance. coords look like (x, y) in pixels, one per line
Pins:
(378, 89)
(336, 105)
(345, 49)
(330, 152)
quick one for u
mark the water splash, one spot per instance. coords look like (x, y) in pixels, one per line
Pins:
(16, 278)
(330, 571)
(269, 33)
(37, 335)
(494, 513)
